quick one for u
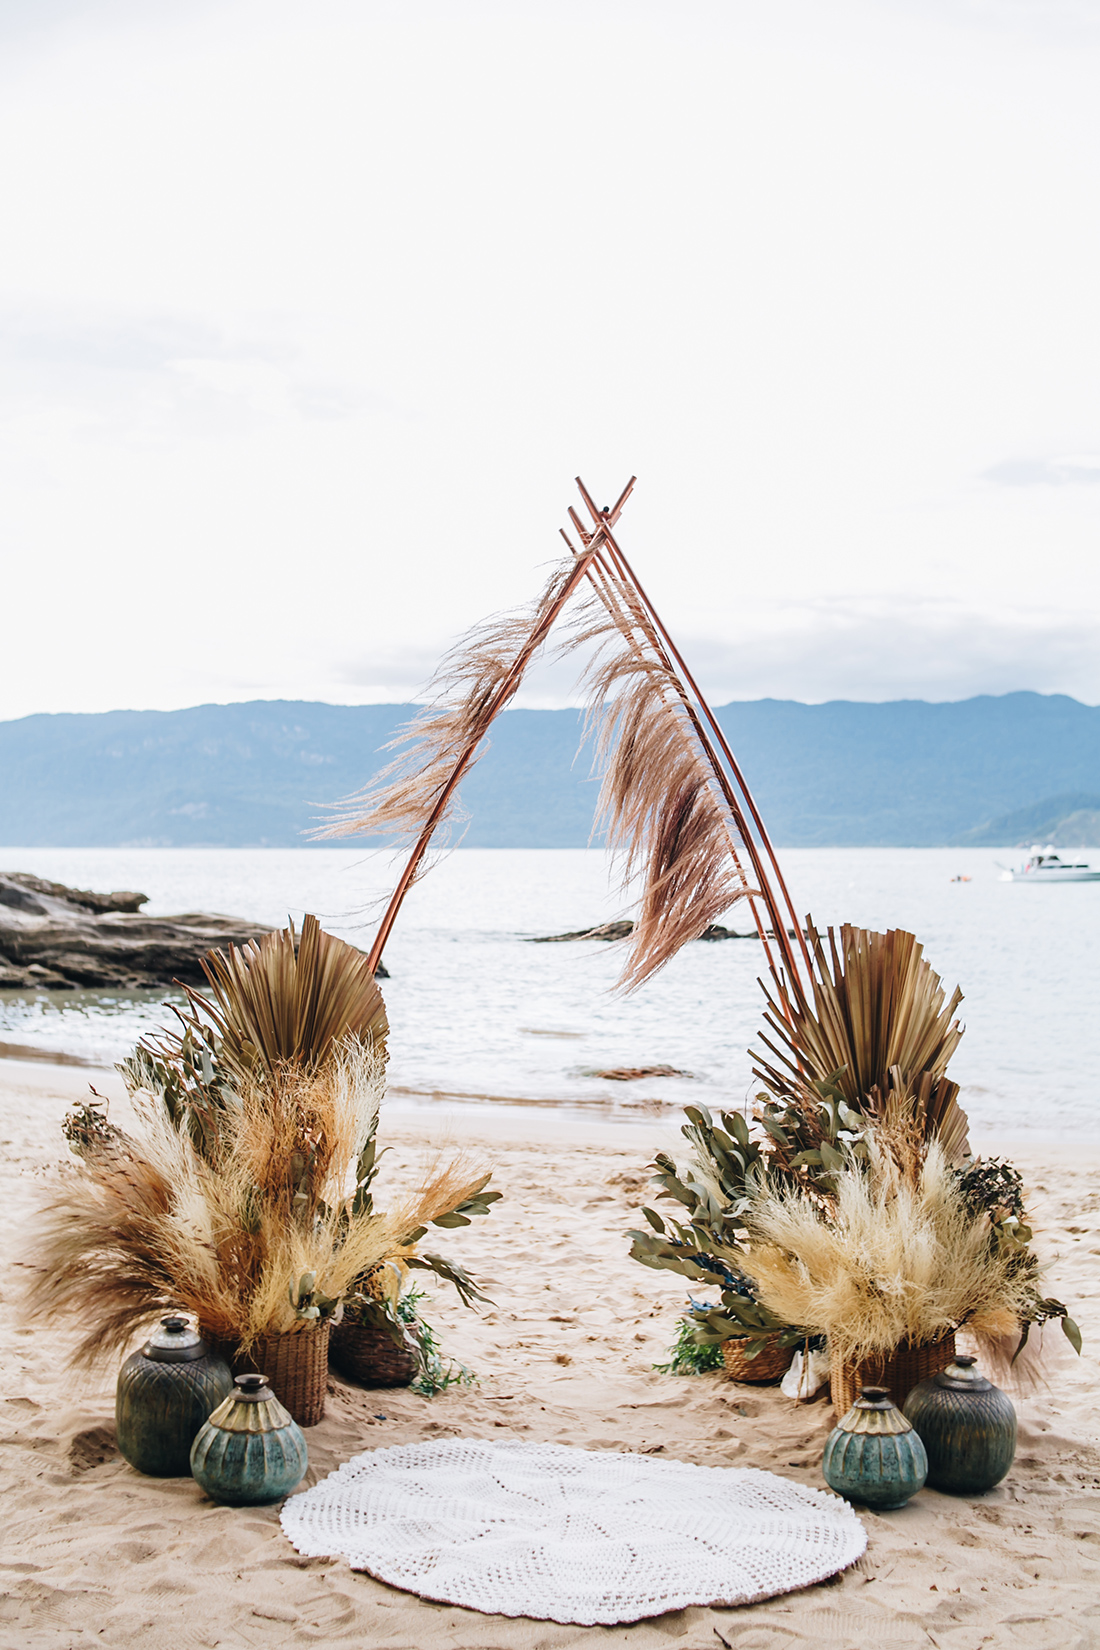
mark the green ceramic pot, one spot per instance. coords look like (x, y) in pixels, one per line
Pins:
(873, 1455)
(250, 1450)
(164, 1394)
(967, 1426)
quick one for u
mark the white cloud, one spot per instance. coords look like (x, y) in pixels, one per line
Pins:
(1080, 469)
(839, 648)
(930, 649)
(309, 315)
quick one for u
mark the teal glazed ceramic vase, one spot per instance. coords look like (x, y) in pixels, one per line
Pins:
(967, 1426)
(873, 1455)
(165, 1392)
(250, 1450)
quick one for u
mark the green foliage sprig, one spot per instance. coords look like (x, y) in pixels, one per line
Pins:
(401, 1320)
(715, 1190)
(687, 1357)
(997, 1187)
(436, 1374)
(310, 1303)
(185, 1073)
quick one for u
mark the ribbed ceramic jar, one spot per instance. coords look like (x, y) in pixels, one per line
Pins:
(250, 1450)
(873, 1455)
(967, 1426)
(165, 1392)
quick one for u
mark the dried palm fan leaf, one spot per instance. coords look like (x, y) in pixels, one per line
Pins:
(274, 1002)
(664, 804)
(274, 1005)
(881, 1031)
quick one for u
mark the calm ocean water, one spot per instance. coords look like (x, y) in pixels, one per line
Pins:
(478, 1012)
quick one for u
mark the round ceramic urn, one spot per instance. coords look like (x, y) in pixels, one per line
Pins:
(165, 1392)
(873, 1455)
(250, 1450)
(967, 1426)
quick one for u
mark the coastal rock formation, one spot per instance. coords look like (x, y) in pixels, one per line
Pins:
(623, 929)
(607, 931)
(630, 1074)
(65, 939)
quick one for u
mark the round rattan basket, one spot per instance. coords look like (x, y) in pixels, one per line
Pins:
(898, 1371)
(369, 1356)
(770, 1364)
(296, 1366)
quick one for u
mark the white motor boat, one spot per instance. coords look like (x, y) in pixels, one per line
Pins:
(1044, 865)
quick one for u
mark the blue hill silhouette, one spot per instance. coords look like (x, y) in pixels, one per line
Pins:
(905, 773)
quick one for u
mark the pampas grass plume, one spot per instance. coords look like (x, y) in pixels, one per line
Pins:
(899, 1259)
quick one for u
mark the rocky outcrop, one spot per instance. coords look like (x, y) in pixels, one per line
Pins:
(65, 939)
(623, 929)
(18, 889)
(607, 931)
(630, 1074)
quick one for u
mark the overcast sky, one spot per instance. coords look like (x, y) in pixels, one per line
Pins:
(309, 313)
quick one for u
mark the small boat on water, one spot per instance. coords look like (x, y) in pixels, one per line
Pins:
(1044, 865)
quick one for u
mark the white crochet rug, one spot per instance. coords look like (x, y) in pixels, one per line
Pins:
(571, 1535)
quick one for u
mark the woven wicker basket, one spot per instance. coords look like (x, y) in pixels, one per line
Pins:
(770, 1364)
(296, 1366)
(369, 1356)
(898, 1371)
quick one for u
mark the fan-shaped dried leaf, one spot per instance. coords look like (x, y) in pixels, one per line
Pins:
(881, 1030)
(273, 1002)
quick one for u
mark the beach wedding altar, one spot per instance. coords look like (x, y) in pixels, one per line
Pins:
(572, 1480)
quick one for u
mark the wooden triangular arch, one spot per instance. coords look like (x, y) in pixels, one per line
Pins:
(674, 798)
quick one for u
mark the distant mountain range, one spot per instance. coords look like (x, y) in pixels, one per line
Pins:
(999, 771)
(1068, 821)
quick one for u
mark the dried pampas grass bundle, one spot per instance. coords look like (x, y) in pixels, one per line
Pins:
(472, 685)
(417, 794)
(898, 1258)
(665, 804)
(262, 1239)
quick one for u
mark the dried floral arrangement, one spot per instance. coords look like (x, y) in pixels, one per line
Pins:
(850, 1208)
(245, 1195)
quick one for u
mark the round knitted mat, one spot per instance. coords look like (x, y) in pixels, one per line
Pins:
(571, 1535)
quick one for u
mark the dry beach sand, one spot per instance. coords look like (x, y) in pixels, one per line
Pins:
(92, 1553)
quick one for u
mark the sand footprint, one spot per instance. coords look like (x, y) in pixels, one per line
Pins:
(91, 1448)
